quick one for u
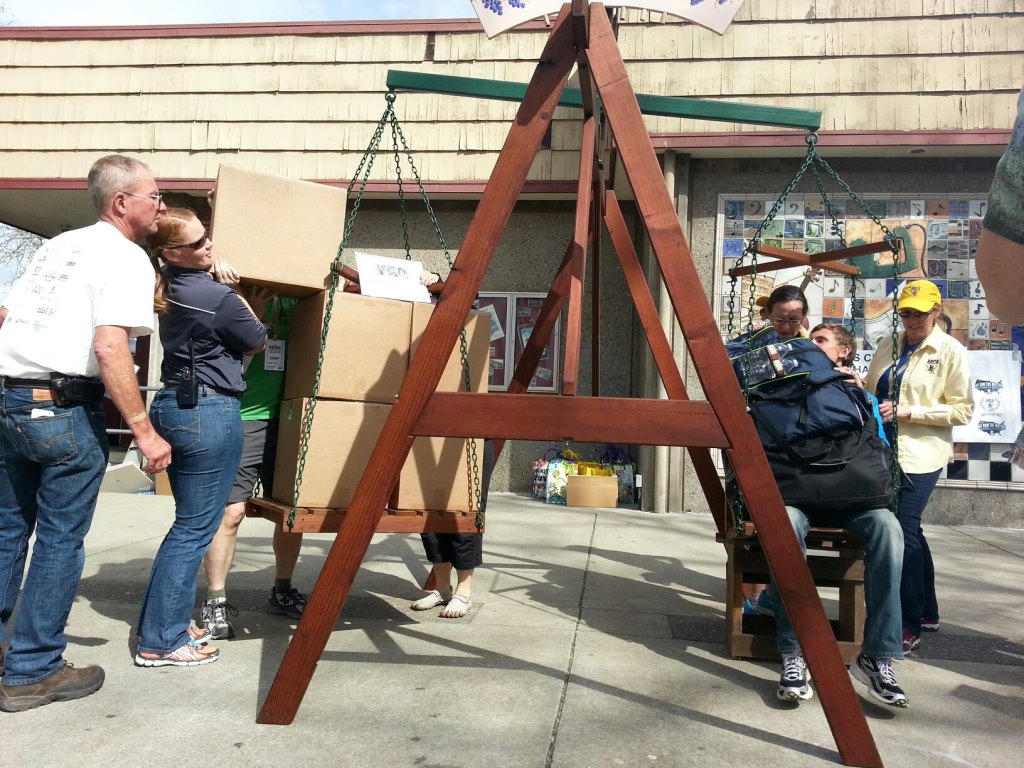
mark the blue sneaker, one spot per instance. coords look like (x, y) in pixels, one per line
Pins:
(765, 605)
(749, 609)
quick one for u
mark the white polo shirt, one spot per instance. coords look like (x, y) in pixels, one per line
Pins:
(75, 282)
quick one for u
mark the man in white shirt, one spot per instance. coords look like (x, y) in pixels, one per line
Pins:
(64, 332)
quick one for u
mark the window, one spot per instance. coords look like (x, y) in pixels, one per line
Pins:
(513, 316)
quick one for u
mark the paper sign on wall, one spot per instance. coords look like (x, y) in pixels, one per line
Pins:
(995, 379)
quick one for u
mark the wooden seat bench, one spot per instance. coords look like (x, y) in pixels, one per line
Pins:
(322, 520)
(835, 558)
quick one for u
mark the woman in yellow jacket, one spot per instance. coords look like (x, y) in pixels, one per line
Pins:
(934, 390)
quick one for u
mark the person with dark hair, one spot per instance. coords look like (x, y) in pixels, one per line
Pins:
(785, 310)
(64, 331)
(205, 329)
(927, 392)
(839, 343)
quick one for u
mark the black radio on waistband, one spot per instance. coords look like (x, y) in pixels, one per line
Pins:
(67, 390)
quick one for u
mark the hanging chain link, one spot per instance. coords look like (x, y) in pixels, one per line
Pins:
(360, 178)
(811, 160)
(359, 182)
(473, 463)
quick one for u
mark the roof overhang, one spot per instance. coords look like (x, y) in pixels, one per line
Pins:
(49, 206)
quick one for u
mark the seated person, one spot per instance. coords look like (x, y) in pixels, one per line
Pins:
(879, 532)
(839, 343)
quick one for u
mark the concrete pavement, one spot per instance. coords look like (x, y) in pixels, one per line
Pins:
(596, 638)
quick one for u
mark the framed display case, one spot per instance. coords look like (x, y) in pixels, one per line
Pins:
(513, 316)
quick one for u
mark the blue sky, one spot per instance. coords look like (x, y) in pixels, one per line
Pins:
(116, 12)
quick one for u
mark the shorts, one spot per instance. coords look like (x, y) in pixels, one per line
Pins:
(465, 551)
(259, 448)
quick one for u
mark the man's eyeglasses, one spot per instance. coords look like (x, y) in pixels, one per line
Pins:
(784, 321)
(908, 314)
(156, 197)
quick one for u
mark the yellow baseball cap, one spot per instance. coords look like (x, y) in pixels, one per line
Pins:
(761, 301)
(922, 295)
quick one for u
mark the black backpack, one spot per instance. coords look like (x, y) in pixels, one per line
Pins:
(819, 433)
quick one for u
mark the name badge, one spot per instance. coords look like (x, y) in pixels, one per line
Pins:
(273, 355)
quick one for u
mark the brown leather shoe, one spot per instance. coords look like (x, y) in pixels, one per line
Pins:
(65, 684)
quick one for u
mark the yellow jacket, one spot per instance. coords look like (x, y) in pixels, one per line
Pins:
(937, 390)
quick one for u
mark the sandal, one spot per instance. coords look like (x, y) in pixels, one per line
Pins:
(432, 599)
(457, 607)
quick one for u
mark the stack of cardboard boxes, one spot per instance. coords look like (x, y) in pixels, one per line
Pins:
(370, 342)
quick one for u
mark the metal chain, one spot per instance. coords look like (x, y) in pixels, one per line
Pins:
(359, 182)
(471, 457)
(731, 304)
(364, 168)
(894, 390)
(398, 137)
(401, 187)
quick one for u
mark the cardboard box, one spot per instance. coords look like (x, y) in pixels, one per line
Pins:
(367, 351)
(436, 475)
(478, 344)
(277, 232)
(163, 484)
(342, 438)
(592, 491)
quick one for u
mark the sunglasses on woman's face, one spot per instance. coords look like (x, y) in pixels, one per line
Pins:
(910, 314)
(198, 243)
(194, 246)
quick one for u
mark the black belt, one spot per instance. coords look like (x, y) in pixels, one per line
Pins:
(205, 389)
(14, 383)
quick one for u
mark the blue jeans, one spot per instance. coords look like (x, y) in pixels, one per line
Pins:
(917, 588)
(879, 532)
(206, 445)
(50, 473)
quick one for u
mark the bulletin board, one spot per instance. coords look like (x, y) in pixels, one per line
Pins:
(513, 316)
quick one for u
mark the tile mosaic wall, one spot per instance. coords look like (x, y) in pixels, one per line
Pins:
(939, 234)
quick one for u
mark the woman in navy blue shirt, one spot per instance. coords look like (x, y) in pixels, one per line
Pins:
(205, 329)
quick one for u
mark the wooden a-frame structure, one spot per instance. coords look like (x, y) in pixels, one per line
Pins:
(583, 35)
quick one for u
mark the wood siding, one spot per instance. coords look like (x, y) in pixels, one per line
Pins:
(306, 105)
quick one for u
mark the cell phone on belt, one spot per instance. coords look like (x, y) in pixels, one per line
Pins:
(188, 385)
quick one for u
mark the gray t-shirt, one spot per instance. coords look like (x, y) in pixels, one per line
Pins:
(1005, 214)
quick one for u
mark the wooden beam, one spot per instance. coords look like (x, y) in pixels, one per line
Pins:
(650, 321)
(788, 259)
(329, 520)
(665, 106)
(439, 339)
(541, 334)
(582, 419)
(574, 316)
(682, 281)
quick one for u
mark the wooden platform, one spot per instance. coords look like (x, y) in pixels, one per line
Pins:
(320, 520)
(835, 559)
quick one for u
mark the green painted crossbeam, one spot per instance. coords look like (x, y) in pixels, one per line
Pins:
(665, 106)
